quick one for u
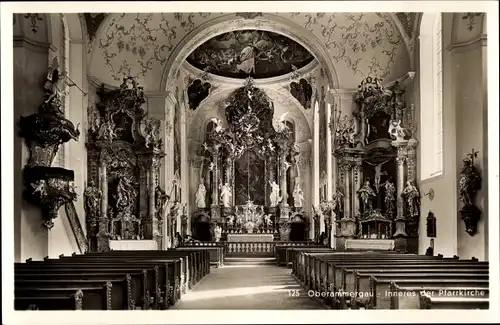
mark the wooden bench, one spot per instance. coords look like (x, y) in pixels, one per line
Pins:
(408, 297)
(73, 301)
(127, 290)
(432, 302)
(216, 252)
(85, 298)
(163, 276)
(284, 253)
(138, 282)
(381, 285)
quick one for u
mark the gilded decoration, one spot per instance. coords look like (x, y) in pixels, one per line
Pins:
(243, 178)
(123, 201)
(44, 132)
(469, 184)
(375, 152)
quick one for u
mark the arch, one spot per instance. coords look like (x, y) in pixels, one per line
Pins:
(231, 22)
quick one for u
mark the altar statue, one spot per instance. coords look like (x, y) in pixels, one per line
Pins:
(217, 233)
(125, 194)
(274, 197)
(200, 196)
(412, 197)
(366, 194)
(226, 195)
(390, 191)
(298, 195)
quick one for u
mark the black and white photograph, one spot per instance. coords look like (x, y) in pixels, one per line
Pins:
(186, 160)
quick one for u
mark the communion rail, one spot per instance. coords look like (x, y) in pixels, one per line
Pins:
(249, 249)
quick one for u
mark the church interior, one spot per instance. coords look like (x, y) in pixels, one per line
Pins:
(161, 160)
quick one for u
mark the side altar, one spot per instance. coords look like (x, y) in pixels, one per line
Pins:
(376, 201)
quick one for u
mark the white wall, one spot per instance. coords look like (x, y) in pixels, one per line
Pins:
(464, 128)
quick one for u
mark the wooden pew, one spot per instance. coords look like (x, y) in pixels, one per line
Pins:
(433, 302)
(215, 251)
(73, 301)
(283, 252)
(381, 286)
(312, 271)
(359, 278)
(196, 262)
(85, 298)
(408, 297)
(137, 282)
(160, 280)
(186, 259)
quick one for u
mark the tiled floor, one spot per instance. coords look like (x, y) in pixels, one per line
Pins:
(248, 284)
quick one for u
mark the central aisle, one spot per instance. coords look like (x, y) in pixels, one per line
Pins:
(251, 283)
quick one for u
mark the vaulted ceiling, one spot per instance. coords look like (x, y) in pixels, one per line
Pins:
(358, 44)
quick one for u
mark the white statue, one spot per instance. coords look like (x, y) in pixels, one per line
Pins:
(279, 123)
(230, 220)
(396, 131)
(217, 233)
(225, 195)
(274, 197)
(218, 124)
(298, 195)
(200, 196)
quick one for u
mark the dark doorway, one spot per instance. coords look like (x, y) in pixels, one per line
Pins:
(297, 231)
(201, 229)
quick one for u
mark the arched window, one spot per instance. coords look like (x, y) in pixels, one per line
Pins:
(431, 96)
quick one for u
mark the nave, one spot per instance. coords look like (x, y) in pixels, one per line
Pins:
(249, 283)
(203, 277)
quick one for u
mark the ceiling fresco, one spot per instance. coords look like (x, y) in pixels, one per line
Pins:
(139, 45)
(250, 53)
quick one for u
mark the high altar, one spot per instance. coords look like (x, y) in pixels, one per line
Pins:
(246, 174)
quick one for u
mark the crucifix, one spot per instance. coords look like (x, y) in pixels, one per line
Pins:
(378, 173)
(472, 22)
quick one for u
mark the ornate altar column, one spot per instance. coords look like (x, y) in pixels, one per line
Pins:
(284, 207)
(400, 221)
(348, 223)
(103, 234)
(346, 168)
(329, 154)
(215, 208)
(357, 178)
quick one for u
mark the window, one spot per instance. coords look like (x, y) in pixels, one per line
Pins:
(431, 96)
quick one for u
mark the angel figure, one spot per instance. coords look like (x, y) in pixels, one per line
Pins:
(366, 194)
(107, 131)
(298, 195)
(200, 196)
(226, 195)
(267, 220)
(40, 187)
(279, 123)
(396, 131)
(412, 197)
(274, 197)
(218, 124)
(230, 220)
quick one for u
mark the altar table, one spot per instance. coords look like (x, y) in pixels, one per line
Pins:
(133, 245)
(250, 237)
(378, 244)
